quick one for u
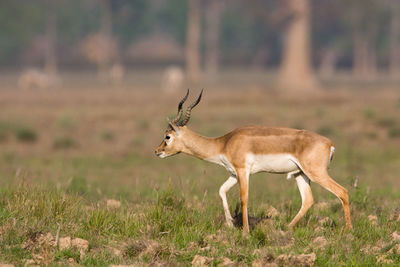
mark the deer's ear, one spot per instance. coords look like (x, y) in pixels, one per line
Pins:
(174, 127)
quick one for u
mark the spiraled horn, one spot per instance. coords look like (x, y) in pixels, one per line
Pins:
(180, 110)
(189, 110)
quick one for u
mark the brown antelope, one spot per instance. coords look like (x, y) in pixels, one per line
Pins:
(246, 150)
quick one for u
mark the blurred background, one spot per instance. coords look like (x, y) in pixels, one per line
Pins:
(201, 39)
(86, 86)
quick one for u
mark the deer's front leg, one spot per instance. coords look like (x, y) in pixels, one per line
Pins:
(232, 180)
(243, 177)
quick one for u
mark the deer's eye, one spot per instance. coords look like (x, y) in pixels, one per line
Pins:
(168, 139)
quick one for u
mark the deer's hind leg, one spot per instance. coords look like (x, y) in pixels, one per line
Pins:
(315, 166)
(307, 200)
(320, 176)
(232, 180)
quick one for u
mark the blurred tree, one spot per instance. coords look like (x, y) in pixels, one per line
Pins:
(248, 31)
(293, 18)
(192, 53)
(20, 21)
(50, 56)
(239, 39)
(212, 33)
(329, 45)
(172, 19)
(108, 40)
(130, 20)
(364, 19)
(395, 38)
(106, 17)
(101, 48)
(296, 72)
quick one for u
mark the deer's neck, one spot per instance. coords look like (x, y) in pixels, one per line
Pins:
(200, 146)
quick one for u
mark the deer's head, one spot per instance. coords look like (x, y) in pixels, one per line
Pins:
(172, 143)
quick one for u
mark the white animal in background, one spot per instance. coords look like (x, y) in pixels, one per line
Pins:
(36, 79)
(172, 79)
(117, 73)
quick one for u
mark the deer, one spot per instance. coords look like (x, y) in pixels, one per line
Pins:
(301, 154)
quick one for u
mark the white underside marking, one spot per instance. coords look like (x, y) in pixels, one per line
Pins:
(332, 151)
(223, 161)
(292, 174)
(275, 163)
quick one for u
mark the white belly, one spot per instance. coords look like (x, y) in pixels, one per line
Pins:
(276, 163)
(223, 161)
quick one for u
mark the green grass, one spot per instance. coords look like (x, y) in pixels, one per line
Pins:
(172, 229)
(91, 150)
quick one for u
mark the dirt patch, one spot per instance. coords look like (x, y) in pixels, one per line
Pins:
(296, 260)
(319, 230)
(374, 249)
(271, 212)
(266, 259)
(226, 262)
(122, 265)
(30, 262)
(263, 263)
(326, 222)
(320, 243)
(38, 239)
(219, 237)
(200, 261)
(283, 239)
(115, 251)
(143, 248)
(373, 219)
(113, 204)
(395, 249)
(64, 243)
(396, 236)
(41, 246)
(80, 244)
(382, 259)
(322, 206)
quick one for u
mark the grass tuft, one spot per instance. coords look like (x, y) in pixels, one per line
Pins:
(25, 134)
(386, 122)
(394, 132)
(64, 142)
(107, 136)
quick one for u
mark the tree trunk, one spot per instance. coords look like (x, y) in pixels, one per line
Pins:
(192, 42)
(364, 57)
(106, 17)
(360, 55)
(395, 39)
(296, 72)
(106, 30)
(327, 66)
(50, 57)
(213, 16)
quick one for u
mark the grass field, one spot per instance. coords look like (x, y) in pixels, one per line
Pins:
(67, 153)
